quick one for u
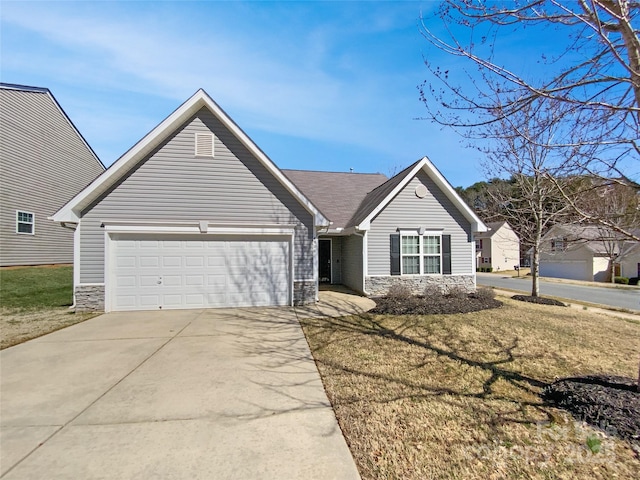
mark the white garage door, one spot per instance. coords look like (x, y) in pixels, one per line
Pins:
(153, 272)
(576, 270)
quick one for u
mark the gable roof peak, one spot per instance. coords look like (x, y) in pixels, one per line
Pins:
(70, 213)
(380, 197)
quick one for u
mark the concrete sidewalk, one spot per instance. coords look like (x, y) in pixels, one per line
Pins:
(173, 394)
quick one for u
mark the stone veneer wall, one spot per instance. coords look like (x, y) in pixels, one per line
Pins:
(89, 298)
(380, 285)
(304, 293)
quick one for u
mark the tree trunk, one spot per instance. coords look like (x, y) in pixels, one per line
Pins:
(613, 271)
(535, 271)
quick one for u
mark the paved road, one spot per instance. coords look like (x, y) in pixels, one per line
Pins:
(612, 297)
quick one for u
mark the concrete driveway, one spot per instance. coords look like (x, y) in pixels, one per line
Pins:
(172, 394)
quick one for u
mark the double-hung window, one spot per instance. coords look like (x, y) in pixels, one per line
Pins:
(431, 254)
(25, 223)
(421, 254)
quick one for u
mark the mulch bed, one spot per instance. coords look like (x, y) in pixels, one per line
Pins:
(539, 300)
(607, 402)
(434, 305)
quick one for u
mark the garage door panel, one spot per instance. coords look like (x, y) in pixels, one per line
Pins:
(149, 301)
(126, 261)
(191, 273)
(191, 261)
(171, 262)
(172, 280)
(126, 281)
(575, 270)
(172, 301)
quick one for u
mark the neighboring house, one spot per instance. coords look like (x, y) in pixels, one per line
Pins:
(586, 252)
(497, 249)
(630, 261)
(195, 215)
(44, 161)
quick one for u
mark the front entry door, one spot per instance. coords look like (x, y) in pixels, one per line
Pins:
(324, 260)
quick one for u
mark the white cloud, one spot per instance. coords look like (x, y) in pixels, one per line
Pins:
(240, 70)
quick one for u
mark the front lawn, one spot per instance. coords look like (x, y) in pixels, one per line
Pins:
(36, 287)
(458, 396)
(35, 301)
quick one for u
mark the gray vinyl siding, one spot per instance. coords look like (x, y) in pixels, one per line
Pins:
(43, 164)
(407, 211)
(172, 184)
(352, 271)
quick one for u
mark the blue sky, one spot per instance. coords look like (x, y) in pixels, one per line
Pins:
(320, 86)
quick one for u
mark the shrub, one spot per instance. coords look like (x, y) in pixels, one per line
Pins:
(399, 291)
(621, 280)
(634, 280)
(490, 269)
(432, 291)
(457, 292)
(484, 294)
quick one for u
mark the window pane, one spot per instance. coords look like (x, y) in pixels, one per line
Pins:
(410, 245)
(25, 217)
(432, 245)
(410, 265)
(25, 228)
(432, 264)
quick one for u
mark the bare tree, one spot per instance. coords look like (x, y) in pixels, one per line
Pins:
(519, 151)
(596, 72)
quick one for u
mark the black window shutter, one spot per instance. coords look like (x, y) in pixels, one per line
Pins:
(395, 253)
(446, 254)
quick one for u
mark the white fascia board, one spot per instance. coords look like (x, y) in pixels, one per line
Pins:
(71, 211)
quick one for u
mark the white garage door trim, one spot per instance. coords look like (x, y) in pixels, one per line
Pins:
(176, 232)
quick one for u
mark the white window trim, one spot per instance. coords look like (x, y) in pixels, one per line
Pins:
(421, 255)
(33, 222)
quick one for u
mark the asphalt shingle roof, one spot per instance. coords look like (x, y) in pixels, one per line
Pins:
(338, 195)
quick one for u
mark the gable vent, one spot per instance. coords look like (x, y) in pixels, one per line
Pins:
(204, 144)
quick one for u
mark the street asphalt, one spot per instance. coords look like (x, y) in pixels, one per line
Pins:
(607, 296)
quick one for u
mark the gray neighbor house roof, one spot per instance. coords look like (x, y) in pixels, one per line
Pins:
(594, 238)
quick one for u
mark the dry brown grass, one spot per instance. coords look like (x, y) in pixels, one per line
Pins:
(457, 396)
(17, 325)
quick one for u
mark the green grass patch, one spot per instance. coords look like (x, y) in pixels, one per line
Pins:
(28, 288)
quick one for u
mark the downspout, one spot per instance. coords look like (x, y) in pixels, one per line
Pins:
(76, 265)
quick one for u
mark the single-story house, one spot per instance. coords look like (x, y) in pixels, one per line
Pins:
(498, 248)
(195, 215)
(44, 161)
(585, 252)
